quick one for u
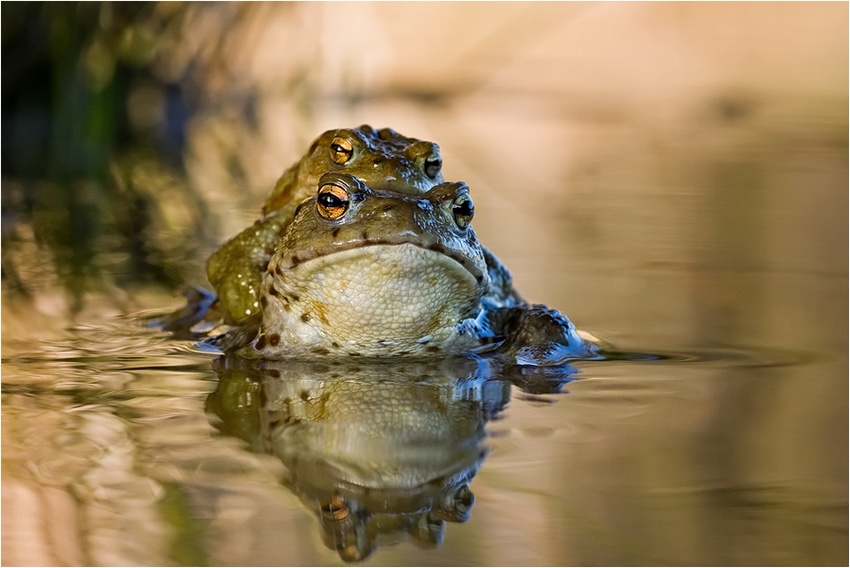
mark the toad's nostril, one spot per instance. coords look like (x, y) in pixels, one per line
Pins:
(433, 165)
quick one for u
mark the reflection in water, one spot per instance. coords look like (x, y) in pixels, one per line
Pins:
(375, 451)
(110, 459)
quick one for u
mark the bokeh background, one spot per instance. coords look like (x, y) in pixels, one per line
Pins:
(665, 156)
(672, 176)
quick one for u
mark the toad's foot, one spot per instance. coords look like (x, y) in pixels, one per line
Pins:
(197, 317)
(537, 335)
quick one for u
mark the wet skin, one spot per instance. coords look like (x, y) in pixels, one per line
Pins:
(365, 272)
(365, 251)
(382, 158)
(372, 273)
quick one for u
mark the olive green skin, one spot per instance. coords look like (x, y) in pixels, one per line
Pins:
(267, 293)
(383, 159)
(395, 274)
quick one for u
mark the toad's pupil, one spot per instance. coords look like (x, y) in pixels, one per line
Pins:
(331, 201)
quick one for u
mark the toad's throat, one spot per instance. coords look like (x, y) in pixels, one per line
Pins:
(374, 294)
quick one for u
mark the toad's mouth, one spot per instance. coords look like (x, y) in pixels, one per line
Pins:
(381, 249)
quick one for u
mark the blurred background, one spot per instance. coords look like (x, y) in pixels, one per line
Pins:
(662, 158)
(672, 176)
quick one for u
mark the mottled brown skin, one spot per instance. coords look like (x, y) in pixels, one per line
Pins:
(383, 159)
(365, 273)
(394, 177)
(385, 274)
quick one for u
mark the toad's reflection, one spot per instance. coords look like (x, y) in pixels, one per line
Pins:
(378, 451)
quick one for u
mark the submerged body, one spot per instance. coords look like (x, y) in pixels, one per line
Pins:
(365, 251)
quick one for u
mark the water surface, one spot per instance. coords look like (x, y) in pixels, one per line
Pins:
(123, 446)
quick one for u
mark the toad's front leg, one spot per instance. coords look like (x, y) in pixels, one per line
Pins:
(537, 335)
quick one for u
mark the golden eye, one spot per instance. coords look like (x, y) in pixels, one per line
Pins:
(335, 508)
(463, 210)
(332, 201)
(341, 150)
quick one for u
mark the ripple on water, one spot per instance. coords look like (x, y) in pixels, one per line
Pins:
(119, 413)
(722, 356)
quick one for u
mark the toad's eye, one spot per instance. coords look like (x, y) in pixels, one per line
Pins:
(332, 201)
(463, 210)
(341, 150)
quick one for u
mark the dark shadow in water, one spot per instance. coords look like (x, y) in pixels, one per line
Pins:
(379, 452)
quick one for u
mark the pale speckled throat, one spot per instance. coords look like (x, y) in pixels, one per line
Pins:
(381, 299)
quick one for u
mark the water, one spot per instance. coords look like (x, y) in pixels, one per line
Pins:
(123, 446)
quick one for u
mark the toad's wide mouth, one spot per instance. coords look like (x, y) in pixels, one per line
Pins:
(293, 261)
